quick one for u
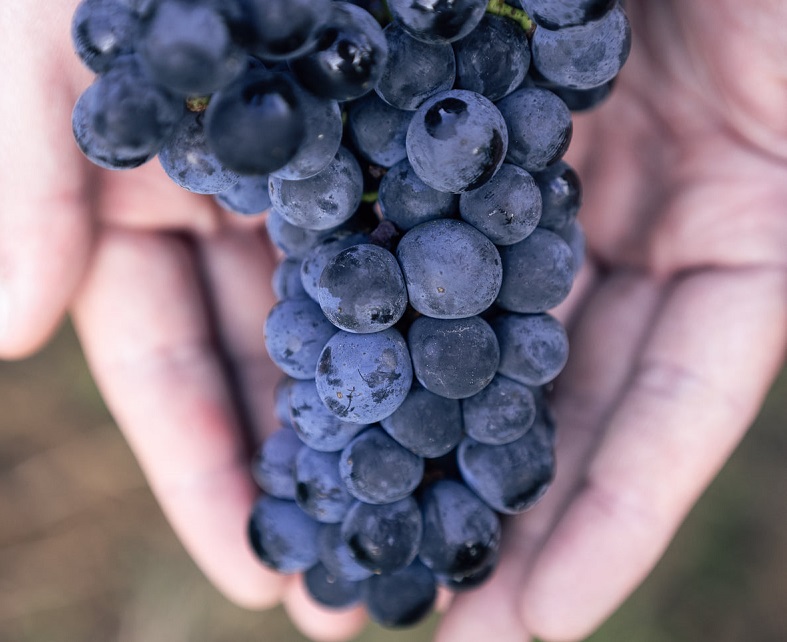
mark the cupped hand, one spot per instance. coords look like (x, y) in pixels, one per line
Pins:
(678, 324)
(168, 294)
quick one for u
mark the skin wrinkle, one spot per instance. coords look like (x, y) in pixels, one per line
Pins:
(718, 213)
(163, 360)
(691, 459)
(583, 397)
(170, 395)
(690, 128)
(755, 107)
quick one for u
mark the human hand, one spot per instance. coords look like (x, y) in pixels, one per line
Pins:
(168, 295)
(161, 287)
(678, 325)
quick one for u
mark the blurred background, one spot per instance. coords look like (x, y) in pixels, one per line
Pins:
(86, 556)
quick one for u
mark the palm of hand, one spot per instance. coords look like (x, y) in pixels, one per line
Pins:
(167, 294)
(678, 324)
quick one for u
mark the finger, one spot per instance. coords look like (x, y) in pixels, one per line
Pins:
(45, 228)
(243, 221)
(237, 269)
(317, 622)
(145, 198)
(490, 611)
(142, 322)
(589, 386)
(716, 348)
(584, 283)
(592, 382)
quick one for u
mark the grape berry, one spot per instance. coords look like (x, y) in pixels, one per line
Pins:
(410, 155)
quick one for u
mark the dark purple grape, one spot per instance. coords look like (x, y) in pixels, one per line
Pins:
(383, 538)
(324, 200)
(255, 124)
(537, 273)
(281, 400)
(322, 136)
(190, 46)
(286, 280)
(426, 424)
(402, 598)
(501, 413)
(349, 57)
(331, 591)
(557, 14)
(273, 465)
(93, 146)
(363, 378)
(415, 70)
(513, 477)
(378, 130)
(283, 536)
(296, 242)
(506, 208)
(493, 59)
(561, 195)
(362, 289)
(456, 141)
(319, 489)
(249, 196)
(335, 555)
(461, 533)
(295, 333)
(407, 201)
(454, 358)
(470, 581)
(574, 235)
(586, 56)
(533, 347)
(452, 270)
(377, 470)
(318, 257)
(188, 160)
(438, 20)
(539, 128)
(315, 425)
(285, 29)
(123, 120)
(102, 31)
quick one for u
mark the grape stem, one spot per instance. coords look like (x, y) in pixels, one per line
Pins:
(197, 103)
(500, 8)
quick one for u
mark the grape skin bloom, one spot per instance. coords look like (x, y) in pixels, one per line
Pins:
(363, 378)
(324, 200)
(362, 289)
(451, 269)
(456, 141)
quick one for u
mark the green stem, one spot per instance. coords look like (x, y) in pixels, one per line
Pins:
(369, 197)
(500, 8)
(387, 13)
(197, 103)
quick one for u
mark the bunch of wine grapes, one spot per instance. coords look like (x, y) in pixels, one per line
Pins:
(409, 156)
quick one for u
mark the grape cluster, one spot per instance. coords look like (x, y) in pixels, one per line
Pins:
(410, 156)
